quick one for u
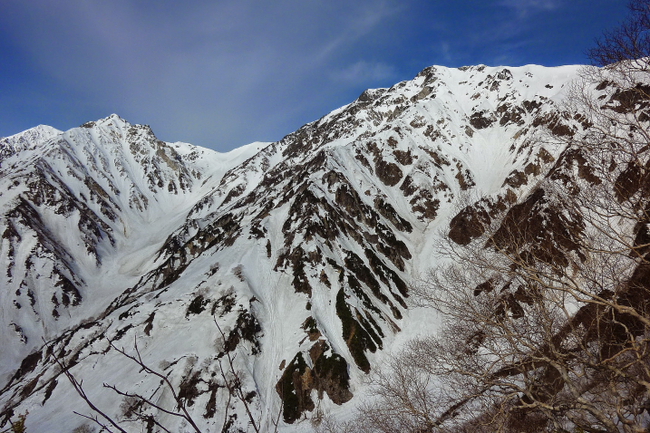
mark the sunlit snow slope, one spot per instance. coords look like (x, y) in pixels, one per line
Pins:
(293, 258)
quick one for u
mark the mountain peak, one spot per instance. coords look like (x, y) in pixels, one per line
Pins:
(37, 133)
(113, 121)
(28, 139)
(302, 251)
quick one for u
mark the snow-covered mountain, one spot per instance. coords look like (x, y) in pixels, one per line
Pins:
(284, 266)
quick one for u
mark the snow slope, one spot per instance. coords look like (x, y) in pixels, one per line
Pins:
(291, 258)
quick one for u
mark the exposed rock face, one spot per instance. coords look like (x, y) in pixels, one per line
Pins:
(329, 374)
(296, 254)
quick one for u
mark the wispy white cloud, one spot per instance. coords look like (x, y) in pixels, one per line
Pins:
(204, 69)
(445, 52)
(526, 8)
(504, 36)
(223, 73)
(363, 72)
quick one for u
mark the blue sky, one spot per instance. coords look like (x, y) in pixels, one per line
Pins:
(223, 73)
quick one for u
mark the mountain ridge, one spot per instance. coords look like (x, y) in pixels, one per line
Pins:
(303, 250)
